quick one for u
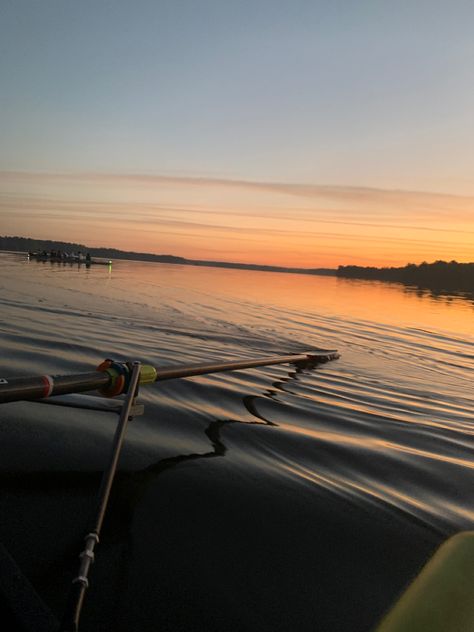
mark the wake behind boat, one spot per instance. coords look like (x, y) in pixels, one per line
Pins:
(59, 256)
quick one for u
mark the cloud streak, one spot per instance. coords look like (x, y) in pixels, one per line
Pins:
(90, 208)
(274, 223)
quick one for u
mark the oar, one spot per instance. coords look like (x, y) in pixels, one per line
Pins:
(112, 378)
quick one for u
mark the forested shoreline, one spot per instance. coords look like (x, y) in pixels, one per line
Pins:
(440, 275)
(26, 244)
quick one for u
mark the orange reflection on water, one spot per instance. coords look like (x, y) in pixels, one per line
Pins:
(373, 301)
(367, 443)
(350, 485)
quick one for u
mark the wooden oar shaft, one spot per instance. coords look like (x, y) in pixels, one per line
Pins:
(39, 387)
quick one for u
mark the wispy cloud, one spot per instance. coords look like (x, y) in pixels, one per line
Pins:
(288, 223)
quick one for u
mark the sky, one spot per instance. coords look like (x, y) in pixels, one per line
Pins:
(302, 133)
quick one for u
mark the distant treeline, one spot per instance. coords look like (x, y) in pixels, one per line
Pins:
(261, 268)
(440, 275)
(27, 244)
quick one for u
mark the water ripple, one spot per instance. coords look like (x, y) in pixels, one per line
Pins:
(319, 473)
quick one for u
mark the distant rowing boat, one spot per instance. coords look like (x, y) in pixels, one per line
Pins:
(80, 261)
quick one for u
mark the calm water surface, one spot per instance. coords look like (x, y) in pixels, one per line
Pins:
(268, 499)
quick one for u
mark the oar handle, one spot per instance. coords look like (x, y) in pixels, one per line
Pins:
(38, 387)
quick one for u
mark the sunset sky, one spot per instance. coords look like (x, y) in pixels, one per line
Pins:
(305, 133)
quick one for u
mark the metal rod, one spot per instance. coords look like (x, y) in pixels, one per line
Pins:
(39, 387)
(80, 584)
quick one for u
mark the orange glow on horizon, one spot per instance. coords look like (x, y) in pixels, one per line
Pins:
(246, 222)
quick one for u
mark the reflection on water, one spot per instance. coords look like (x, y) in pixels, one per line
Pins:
(269, 499)
(441, 295)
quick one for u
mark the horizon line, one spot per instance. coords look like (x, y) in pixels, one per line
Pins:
(233, 263)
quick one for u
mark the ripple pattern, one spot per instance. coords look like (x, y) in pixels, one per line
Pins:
(271, 499)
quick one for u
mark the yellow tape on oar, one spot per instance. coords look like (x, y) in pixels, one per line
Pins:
(147, 374)
(441, 598)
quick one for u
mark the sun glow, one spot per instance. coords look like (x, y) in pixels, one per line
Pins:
(250, 222)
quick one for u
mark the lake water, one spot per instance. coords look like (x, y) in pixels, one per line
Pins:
(270, 499)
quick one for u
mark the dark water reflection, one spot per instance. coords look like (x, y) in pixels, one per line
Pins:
(439, 294)
(270, 499)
